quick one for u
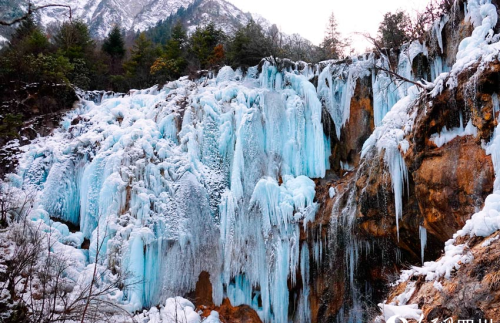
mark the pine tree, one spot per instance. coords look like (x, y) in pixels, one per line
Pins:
(333, 43)
(176, 46)
(203, 42)
(114, 46)
(25, 29)
(73, 39)
(393, 30)
(143, 56)
(249, 45)
(74, 42)
(172, 62)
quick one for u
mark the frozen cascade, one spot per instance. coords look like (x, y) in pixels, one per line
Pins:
(387, 90)
(211, 176)
(336, 85)
(214, 176)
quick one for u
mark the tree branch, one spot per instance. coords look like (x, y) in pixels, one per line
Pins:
(31, 10)
(402, 78)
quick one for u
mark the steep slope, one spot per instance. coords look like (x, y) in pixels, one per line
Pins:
(102, 15)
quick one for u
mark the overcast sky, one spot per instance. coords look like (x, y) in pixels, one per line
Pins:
(309, 17)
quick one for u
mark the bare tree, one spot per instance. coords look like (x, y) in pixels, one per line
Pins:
(35, 277)
(32, 9)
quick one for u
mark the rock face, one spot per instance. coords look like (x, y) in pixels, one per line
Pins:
(233, 314)
(227, 312)
(450, 185)
(356, 131)
(473, 291)
(447, 183)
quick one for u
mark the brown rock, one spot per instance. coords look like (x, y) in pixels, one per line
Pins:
(357, 129)
(203, 291)
(451, 183)
(232, 314)
(472, 292)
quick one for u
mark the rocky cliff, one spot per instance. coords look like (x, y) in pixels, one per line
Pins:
(386, 214)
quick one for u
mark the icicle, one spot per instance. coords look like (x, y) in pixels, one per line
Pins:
(423, 241)
(496, 106)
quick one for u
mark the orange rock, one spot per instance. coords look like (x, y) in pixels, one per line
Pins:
(232, 314)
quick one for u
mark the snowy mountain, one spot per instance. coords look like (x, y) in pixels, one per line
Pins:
(102, 15)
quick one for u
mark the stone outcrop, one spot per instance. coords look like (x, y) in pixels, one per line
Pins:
(232, 314)
(227, 312)
(472, 292)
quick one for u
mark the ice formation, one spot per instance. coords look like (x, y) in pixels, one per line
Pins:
(336, 85)
(446, 135)
(423, 241)
(215, 176)
(200, 176)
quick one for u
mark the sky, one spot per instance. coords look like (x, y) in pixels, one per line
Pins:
(309, 17)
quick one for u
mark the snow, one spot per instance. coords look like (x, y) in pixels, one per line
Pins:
(445, 136)
(176, 309)
(482, 46)
(220, 184)
(478, 47)
(393, 312)
(102, 15)
(331, 192)
(3, 41)
(488, 242)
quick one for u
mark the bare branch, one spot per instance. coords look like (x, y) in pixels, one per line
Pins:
(32, 9)
(399, 77)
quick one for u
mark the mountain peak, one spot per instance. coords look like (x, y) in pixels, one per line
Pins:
(139, 15)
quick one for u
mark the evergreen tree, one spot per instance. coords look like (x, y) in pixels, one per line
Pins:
(394, 29)
(26, 56)
(25, 29)
(172, 62)
(114, 46)
(333, 44)
(249, 45)
(203, 41)
(73, 40)
(143, 56)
